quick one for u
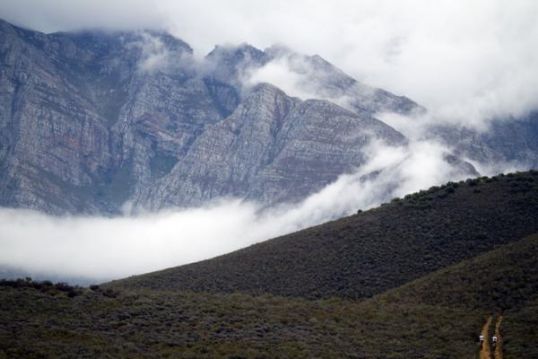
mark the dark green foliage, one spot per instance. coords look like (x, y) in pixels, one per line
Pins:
(520, 332)
(110, 293)
(198, 325)
(438, 316)
(44, 286)
(162, 164)
(371, 252)
(117, 184)
(503, 279)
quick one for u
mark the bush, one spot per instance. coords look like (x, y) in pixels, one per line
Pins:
(110, 293)
(472, 182)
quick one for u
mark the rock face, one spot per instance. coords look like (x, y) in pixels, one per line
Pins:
(271, 148)
(90, 121)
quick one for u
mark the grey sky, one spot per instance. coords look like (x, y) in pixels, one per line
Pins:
(465, 59)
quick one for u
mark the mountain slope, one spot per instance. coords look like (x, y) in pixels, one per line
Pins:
(503, 279)
(272, 148)
(406, 322)
(201, 325)
(71, 116)
(312, 76)
(371, 252)
(91, 120)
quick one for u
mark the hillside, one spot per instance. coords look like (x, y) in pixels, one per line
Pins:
(403, 323)
(501, 282)
(202, 325)
(505, 278)
(370, 252)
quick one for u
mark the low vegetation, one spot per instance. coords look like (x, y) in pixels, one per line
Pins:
(438, 315)
(373, 251)
(43, 286)
(403, 323)
(505, 278)
(198, 325)
(520, 332)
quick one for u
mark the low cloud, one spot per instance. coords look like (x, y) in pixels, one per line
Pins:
(100, 249)
(297, 75)
(466, 61)
(278, 73)
(155, 55)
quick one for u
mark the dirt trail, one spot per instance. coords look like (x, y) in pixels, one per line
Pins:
(485, 352)
(499, 346)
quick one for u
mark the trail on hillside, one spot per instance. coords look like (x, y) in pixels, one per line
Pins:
(485, 352)
(499, 346)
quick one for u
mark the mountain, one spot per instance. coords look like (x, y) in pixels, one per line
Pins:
(95, 122)
(437, 315)
(505, 140)
(317, 78)
(271, 148)
(92, 120)
(373, 251)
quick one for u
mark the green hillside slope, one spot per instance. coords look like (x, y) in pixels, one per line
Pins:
(501, 282)
(198, 325)
(407, 322)
(506, 278)
(371, 252)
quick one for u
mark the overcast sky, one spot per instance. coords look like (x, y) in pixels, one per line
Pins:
(466, 59)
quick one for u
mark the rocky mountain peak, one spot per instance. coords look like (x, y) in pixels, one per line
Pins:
(90, 120)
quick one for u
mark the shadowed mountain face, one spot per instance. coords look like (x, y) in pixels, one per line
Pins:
(91, 120)
(371, 252)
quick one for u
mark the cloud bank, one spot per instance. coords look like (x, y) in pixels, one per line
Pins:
(100, 248)
(463, 60)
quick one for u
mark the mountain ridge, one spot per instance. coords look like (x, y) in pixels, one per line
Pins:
(103, 118)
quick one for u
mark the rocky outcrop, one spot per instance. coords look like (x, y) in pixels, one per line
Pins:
(88, 118)
(272, 148)
(92, 120)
